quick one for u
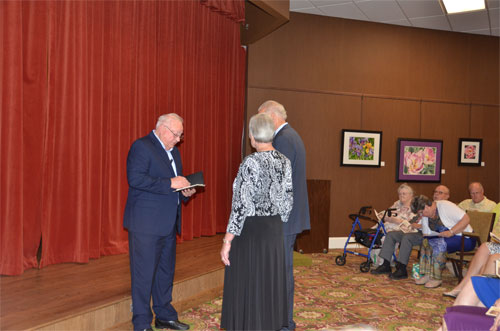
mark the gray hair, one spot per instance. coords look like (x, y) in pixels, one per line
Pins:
(273, 107)
(407, 187)
(478, 184)
(418, 203)
(167, 119)
(261, 128)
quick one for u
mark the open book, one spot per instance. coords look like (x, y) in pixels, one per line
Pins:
(379, 215)
(494, 238)
(406, 227)
(195, 180)
(493, 311)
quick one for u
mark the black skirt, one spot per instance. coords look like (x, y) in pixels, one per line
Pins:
(255, 282)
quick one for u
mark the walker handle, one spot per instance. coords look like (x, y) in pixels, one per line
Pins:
(365, 210)
(361, 217)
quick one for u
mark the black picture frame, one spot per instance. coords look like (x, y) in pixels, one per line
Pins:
(360, 148)
(470, 151)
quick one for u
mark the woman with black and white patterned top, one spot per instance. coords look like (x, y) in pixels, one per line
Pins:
(253, 252)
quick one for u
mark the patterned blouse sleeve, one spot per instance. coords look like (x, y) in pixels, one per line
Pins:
(243, 191)
(286, 207)
(404, 212)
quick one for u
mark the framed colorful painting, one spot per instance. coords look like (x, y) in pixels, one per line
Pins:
(361, 148)
(419, 160)
(469, 151)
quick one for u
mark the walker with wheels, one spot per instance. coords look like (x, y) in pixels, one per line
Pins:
(370, 238)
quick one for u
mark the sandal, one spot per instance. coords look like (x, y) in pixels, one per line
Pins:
(452, 293)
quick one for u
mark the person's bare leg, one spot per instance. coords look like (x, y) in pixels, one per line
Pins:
(475, 266)
(489, 267)
(468, 296)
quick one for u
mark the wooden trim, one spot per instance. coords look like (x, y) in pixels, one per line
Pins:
(373, 96)
(263, 17)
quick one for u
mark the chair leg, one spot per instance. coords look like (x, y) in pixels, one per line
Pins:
(457, 268)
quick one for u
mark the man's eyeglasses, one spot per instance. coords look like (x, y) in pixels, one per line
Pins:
(176, 135)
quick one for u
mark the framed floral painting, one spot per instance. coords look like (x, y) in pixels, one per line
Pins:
(419, 160)
(469, 151)
(361, 148)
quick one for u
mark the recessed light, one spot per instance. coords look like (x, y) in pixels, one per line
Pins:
(460, 6)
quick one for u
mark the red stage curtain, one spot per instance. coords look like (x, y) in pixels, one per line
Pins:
(80, 81)
(234, 9)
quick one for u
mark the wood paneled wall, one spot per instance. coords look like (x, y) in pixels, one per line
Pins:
(333, 74)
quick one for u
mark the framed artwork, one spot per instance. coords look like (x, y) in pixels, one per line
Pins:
(361, 148)
(469, 151)
(419, 160)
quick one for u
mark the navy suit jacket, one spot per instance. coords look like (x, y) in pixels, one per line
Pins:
(289, 143)
(152, 205)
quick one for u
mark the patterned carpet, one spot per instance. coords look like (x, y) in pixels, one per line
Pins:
(331, 297)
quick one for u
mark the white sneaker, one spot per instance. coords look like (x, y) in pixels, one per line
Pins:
(433, 283)
(422, 280)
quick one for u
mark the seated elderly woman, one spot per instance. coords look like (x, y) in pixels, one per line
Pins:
(407, 238)
(401, 212)
(480, 258)
(478, 294)
(442, 226)
(402, 209)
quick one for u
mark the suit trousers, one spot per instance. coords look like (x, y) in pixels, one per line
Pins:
(406, 242)
(152, 267)
(289, 241)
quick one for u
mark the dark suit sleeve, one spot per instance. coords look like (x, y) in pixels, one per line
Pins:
(139, 172)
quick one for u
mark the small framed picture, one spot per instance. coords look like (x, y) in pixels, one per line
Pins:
(419, 160)
(361, 148)
(469, 151)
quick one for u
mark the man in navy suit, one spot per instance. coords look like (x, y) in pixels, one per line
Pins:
(153, 217)
(288, 142)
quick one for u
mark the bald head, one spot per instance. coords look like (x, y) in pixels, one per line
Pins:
(476, 192)
(441, 192)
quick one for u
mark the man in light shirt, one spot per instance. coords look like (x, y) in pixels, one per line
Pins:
(477, 201)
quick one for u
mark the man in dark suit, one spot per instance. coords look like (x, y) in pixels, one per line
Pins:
(153, 217)
(288, 142)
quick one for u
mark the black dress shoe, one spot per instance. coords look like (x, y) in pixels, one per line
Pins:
(172, 325)
(381, 269)
(400, 272)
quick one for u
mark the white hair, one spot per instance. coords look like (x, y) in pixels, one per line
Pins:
(167, 119)
(407, 187)
(273, 107)
(261, 127)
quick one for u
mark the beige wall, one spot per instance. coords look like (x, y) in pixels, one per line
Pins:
(333, 74)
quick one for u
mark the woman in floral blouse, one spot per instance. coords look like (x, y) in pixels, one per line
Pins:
(253, 251)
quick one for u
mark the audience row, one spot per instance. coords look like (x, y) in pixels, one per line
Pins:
(436, 226)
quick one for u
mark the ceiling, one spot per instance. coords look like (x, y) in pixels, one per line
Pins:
(414, 13)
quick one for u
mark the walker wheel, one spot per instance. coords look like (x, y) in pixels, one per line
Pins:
(340, 260)
(365, 266)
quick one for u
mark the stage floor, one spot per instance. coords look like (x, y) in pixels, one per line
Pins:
(56, 292)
